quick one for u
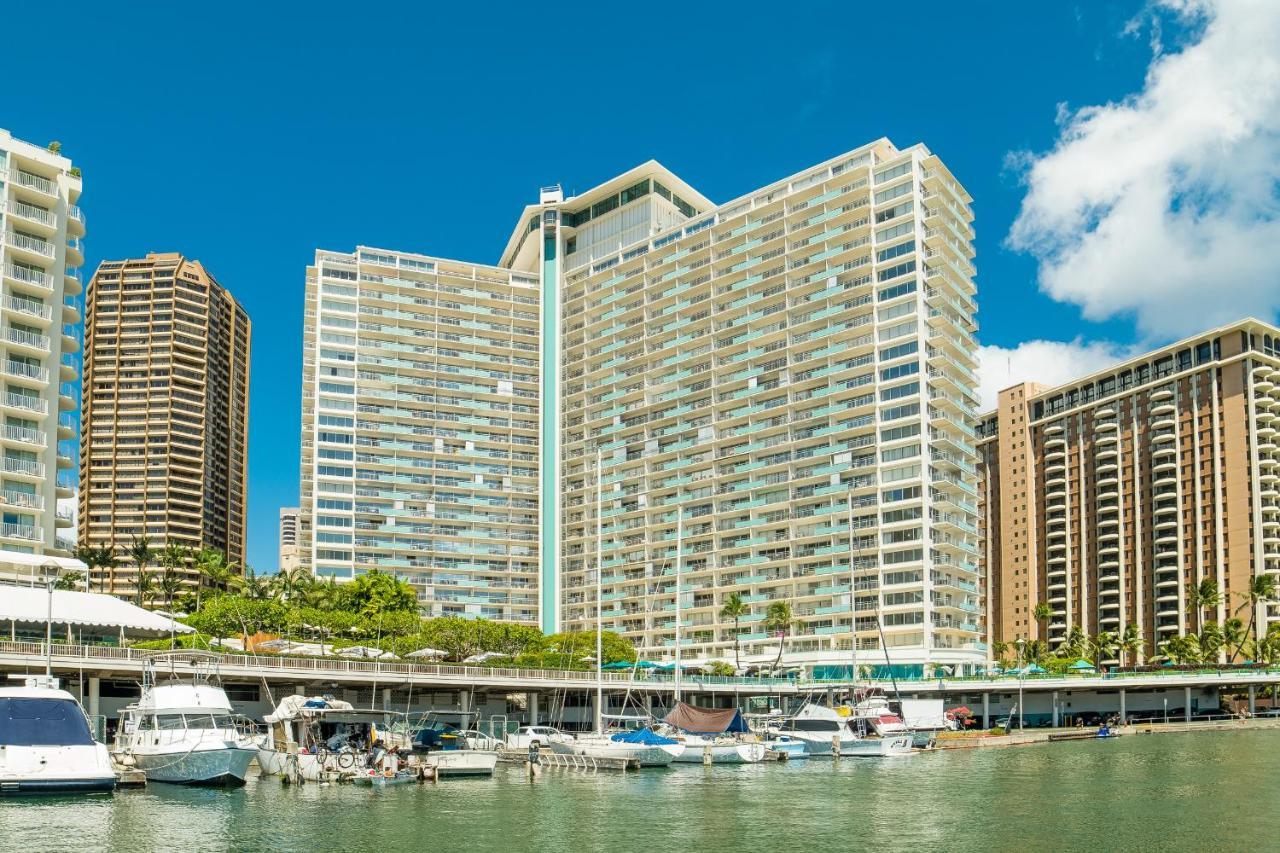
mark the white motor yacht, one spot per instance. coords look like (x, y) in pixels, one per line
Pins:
(825, 732)
(46, 744)
(182, 730)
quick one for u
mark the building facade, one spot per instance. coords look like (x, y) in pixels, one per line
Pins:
(288, 559)
(40, 257)
(419, 429)
(1108, 498)
(165, 412)
(783, 382)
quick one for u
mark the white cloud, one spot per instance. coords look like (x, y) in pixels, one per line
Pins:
(1164, 206)
(1047, 362)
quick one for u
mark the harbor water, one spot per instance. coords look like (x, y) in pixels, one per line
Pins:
(1202, 791)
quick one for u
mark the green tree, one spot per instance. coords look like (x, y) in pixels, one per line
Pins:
(142, 555)
(1104, 647)
(779, 619)
(255, 586)
(457, 637)
(1261, 588)
(720, 668)
(377, 592)
(146, 588)
(325, 623)
(1211, 642)
(1041, 613)
(1203, 596)
(569, 649)
(510, 639)
(69, 581)
(292, 583)
(171, 583)
(1183, 649)
(1233, 636)
(215, 572)
(89, 555)
(735, 608)
(1131, 644)
(1075, 644)
(1000, 649)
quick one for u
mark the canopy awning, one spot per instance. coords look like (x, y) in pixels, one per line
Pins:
(28, 604)
(706, 721)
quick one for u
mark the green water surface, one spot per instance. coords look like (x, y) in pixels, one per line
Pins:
(1201, 792)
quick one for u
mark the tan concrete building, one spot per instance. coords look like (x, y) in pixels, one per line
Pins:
(165, 415)
(1110, 496)
(289, 557)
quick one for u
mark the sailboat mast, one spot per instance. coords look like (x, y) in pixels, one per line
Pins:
(679, 566)
(599, 590)
(853, 610)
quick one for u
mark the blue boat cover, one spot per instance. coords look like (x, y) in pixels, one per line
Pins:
(643, 736)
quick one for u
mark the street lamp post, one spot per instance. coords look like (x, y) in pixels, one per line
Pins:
(1022, 673)
(50, 571)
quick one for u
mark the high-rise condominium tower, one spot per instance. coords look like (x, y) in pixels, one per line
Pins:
(289, 538)
(39, 259)
(782, 382)
(1112, 497)
(165, 418)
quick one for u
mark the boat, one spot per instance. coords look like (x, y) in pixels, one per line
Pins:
(47, 745)
(824, 731)
(792, 748)
(641, 745)
(449, 751)
(183, 730)
(872, 708)
(712, 736)
(322, 739)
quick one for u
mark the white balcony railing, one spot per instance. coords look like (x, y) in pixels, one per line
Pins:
(30, 404)
(30, 244)
(29, 307)
(30, 436)
(33, 213)
(29, 339)
(39, 183)
(26, 371)
(22, 466)
(22, 531)
(22, 499)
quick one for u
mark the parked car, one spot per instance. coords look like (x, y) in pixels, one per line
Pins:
(536, 736)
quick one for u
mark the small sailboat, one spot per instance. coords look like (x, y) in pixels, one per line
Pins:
(715, 736)
(46, 744)
(184, 731)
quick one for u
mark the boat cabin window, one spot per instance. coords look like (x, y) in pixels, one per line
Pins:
(817, 726)
(210, 721)
(169, 721)
(42, 722)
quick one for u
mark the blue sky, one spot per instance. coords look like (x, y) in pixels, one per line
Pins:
(247, 136)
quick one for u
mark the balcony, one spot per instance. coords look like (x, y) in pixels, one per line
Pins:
(37, 183)
(32, 213)
(9, 497)
(41, 250)
(27, 340)
(27, 403)
(28, 307)
(25, 371)
(25, 532)
(24, 435)
(32, 276)
(75, 220)
(75, 251)
(24, 467)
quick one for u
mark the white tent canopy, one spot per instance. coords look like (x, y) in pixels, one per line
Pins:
(31, 605)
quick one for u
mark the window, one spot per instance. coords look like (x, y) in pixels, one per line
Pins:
(42, 722)
(900, 350)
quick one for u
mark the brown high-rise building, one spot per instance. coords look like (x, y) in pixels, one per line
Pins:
(1109, 498)
(165, 418)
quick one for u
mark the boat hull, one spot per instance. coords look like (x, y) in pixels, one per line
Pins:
(26, 786)
(308, 767)
(214, 767)
(876, 747)
(721, 753)
(791, 749)
(647, 756)
(461, 762)
(380, 780)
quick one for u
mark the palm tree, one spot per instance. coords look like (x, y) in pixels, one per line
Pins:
(256, 587)
(1203, 596)
(1131, 643)
(291, 583)
(999, 648)
(1104, 647)
(214, 568)
(171, 584)
(735, 608)
(1041, 613)
(1075, 643)
(1261, 588)
(108, 562)
(88, 555)
(141, 553)
(146, 588)
(1211, 641)
(779, 618)
(1233, 636)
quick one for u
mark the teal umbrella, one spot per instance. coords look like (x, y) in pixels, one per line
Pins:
(1082, 666)
(618, 664)
(1034, 667)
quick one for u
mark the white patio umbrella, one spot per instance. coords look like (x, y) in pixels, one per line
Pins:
(428, 653)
